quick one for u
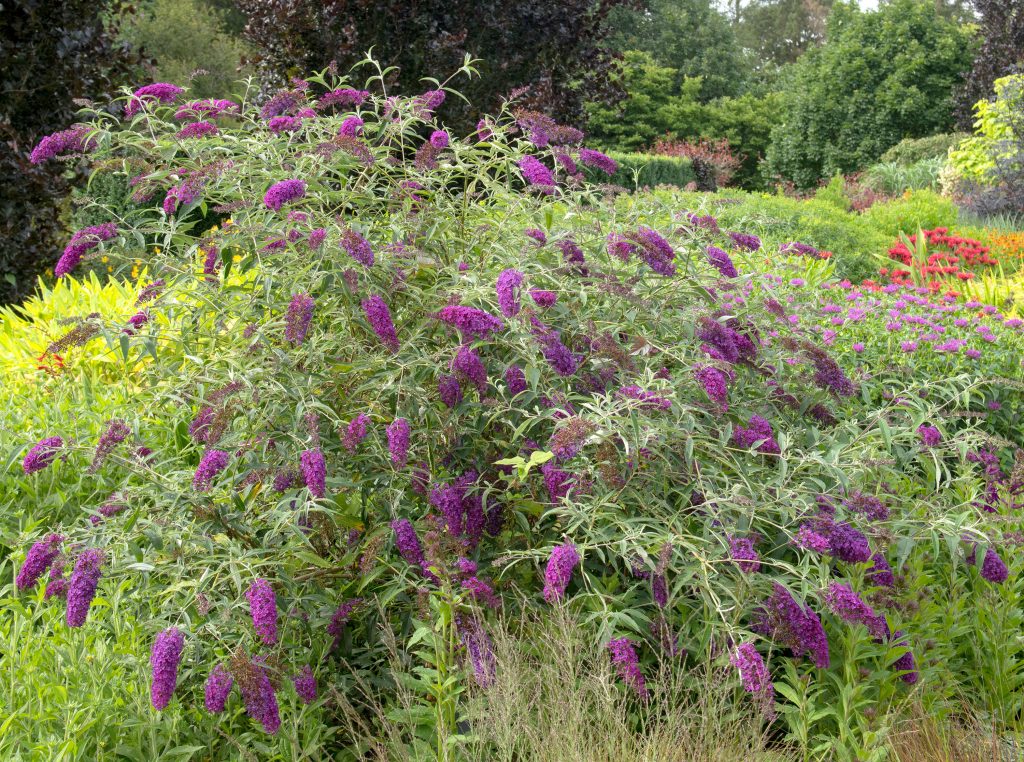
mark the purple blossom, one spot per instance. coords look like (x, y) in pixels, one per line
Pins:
(722, 262)
(115, 433)
(654, 250)
(559, 357)
(848, 606)
(930, 436)
(283, 193)
(470, 321)
(409, 547)
(40, 557)
(794, 626)
(543, 299)
(305, 685)
(753, 672)
(161, 92)
(197, 130)
(450, 390)
(81, 242)
(537, 174)
(218, 686)
(260, 699)
(439, 139)
(208, 107)
(82, 587)
(557, 575)
(557, 481)
(508, 292)
(743, 554)
(537, 235)
(627, 664)
(515, 380)
(72, 140)
(905, 663)
(759, 430)
(316, 238)
(745, 241)
(648, 400)
(263, 609)
(398, 441)
(356, 432)
(280, 124)
(345, 96)
(298, 318)
(379, 317)
(483, 130)
(572, 254)
(467, 364)
(357, 247)
(212, 463)
(481, 651)
(341, 615)
(351, 127)
(810, 539)
(314, 472)
(42, 454)
(591, 158)
(164, 662)
(880, 572)
(715, 384)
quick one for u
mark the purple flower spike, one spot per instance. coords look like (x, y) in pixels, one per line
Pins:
(508, 292)
(314, 472)
(398, 442)
(213, 462)
(263, 609)
(563, 560)
(627, 664)
(164, 661)
(591, 158)
(218, 686)
(39, 558)
(470, 321)
(379, 317)
(82, 587)
(305, 685)
(753, 673)
(42, 454)
(283, 193)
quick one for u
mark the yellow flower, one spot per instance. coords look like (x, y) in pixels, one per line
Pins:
(157, 250)
(236, 258)
(104, 259)
(110, 269)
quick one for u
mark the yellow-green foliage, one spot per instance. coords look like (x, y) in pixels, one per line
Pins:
(974, 157)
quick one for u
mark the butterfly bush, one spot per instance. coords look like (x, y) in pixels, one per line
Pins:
(655, 391)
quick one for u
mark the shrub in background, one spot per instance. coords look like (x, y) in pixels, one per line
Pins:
(53, 54)
(643, 170)
(912, 150)
(914, 209)
(880, 77)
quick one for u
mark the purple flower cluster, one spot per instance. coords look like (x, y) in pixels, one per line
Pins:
(507, 287)
(450, 390)
(648, 400)
(164, 662)
(515, 380)
(218, 686)
(398, 441)
(357, 247)
(930, 436)
(880, 572)
(470, 321)
(40, 557)
(81, 242)
(263, 609)
(260, 699)
(211, 108)
(537, 175)
(314, 472)
(283, 193)
(591, 158)
(467, 365)
(480, 649)
(715, 384)
(351, 127)
(379, 317)
(408, 544)
(537, 235)
(342, 614)
(848, 606)
(794, 626)
(559, 357)
(211, 464)
(305, 685)
(743, 554)
(72, 140)
(543, 299)
(753, 673)
(197, 130)
(344, 97)
(654, 250)
(722, 262)
(758, 430)
(116, 432)
(82, 587)
(298, 318)
(461, 508)
(356, 432)
(627, 664)
(42, 454)
(158, 92)
(561, 564)
(745, 241)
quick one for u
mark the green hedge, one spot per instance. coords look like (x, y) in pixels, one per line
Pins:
(642, 170)
(913, 150)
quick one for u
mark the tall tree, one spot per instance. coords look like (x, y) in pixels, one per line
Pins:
(690, 36)
(1001, 25)
(556, 51)
(780, 31)
(52, 54)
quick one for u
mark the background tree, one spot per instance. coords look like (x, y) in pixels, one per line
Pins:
(555, 50)
(184, 36)
(53, 53)
(1001, 24)
(880, 77)
(780, 31)
(690, 36)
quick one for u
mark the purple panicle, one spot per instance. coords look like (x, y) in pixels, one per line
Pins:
(536, 174)
(263, 609)
(468, 365)
(41, 455)
(450, 390)
(164, 662)
(848, 606)
(930, 436)
(356, 432)
(753, 673)
(357, 247)
(82, 587)
(508, 292)
(158, 92)
(81, 242)
(283, 193)
(470, 321)
(759, 430)
(260, 699)
(218, 686)
(591, 158)
(379, 317)
(300, 315)
(39, 558)
(515, 380)
(627, 664)
(314, 472)
(715, 384)
(398, 442)
(721, 262)
(212, 463)
(305, 685)
(741, 550)
(794, 626)
(562, 562)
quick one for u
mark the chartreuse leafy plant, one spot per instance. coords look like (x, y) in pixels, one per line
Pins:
(382, 381)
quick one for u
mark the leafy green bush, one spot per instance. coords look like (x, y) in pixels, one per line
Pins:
(604, 421)
(834, 193)
(914, 209)
(881, 76)
(893, 178)
(913, 150)
(644, 170)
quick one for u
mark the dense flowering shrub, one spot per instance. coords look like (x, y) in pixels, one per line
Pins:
(380, 431)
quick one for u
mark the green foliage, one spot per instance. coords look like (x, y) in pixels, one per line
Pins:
(834, 193)
(974, 159)
(882, 76)
(643, 170)
(915, 209)
(185, 36)
(690, 37)
(655, 107)
(780, 31)
(913, 150)
(893, 178)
